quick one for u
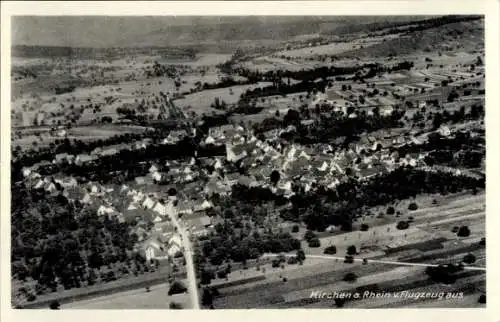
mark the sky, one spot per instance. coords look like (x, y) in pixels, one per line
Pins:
(109, 31)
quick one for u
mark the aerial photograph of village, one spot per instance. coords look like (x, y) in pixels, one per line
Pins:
(247, 162)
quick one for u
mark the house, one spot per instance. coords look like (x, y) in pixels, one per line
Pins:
(184, 208)
(157, 176)
(66, 182)
(39, 184)
(73, 193)
(62, 133)
(109, 151)
(444, 131)
(50, 187)
(148, 203)
(210, 140)
(175, 136)
(160, 209)
(235, 153)
(174, 245)
(86, 199)
(154, 168)
(103, 210)
(63, 157)
(140, 180)
(26, 172)
(84, 158)
(154, 250)
(218, 164)
(203, 206)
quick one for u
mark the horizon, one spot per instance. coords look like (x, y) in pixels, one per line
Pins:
(129, 31)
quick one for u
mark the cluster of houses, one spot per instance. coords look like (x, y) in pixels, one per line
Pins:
(198, 179)
(150, 212)
(83, 158)
(309, 166)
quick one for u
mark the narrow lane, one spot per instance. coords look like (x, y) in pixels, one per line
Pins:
(188, 255)
(472, 268)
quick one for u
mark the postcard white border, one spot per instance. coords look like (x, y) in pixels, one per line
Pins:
(489, 8)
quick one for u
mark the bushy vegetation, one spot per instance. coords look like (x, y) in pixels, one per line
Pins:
(60, 243)
(330, 250)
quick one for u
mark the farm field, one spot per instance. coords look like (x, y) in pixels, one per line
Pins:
(157, 298)
(426, 242)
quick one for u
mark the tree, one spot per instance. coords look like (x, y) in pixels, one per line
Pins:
(172, 191)
(175, 306)
(177, 287)
(463, 231)
(314, 243)
(469, 259)
(206, 276)
(207, 297)
(330, 250)
(482, 242)
(412, 206)
(301, 256)
(54, 305)
(295, 228)
(351, 250)
(402, 225)
(275, 177)
(350, 277)
(390, 210)
(364, 227)
(339, 302)
(309, 235)
(482, 299)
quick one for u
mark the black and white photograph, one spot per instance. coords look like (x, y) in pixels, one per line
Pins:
(214, 162)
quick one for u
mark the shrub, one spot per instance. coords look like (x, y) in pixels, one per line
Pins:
(351, 250)
(275, 263)
(314, 243)
(410, 219)
(364, 227)
(349, 259)
(309, 235)
(295, 228)
(301, 256)
(54, 305)
(177, 288)
(222, 273)
(434, 202)
(31, 297)
(350, 277)
(339, 302)
(469, 259)
(455, 229)
(330, 250)
(482, 242)
(403, 225)
(175, 306)
(412, 206)
(482, 299)
(463, 231)
(292, 260)
(390, 210)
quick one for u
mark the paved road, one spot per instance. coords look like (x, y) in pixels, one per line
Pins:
(472, 268)
(188, 255)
